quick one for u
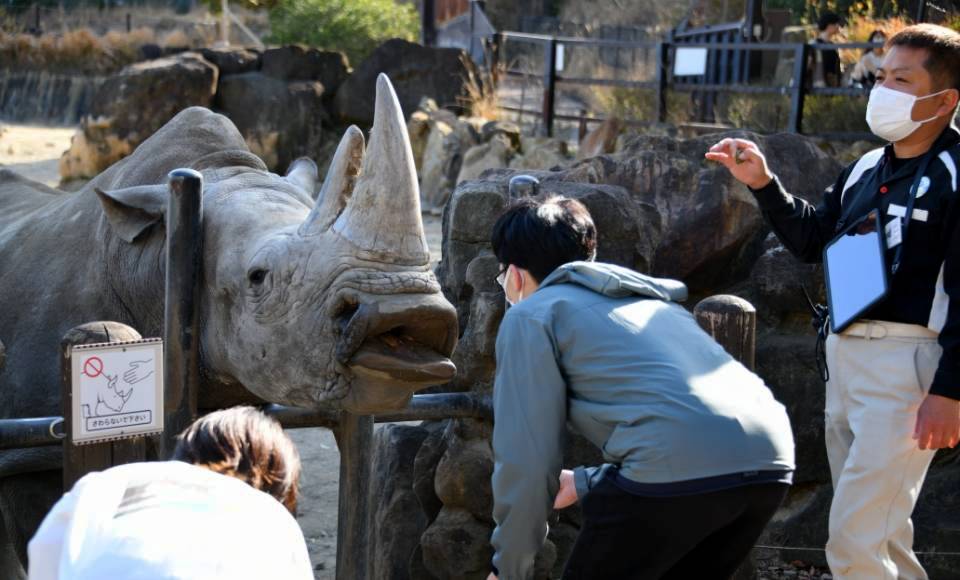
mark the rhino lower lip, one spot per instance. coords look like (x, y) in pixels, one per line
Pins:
(401, 358)
(410, 345)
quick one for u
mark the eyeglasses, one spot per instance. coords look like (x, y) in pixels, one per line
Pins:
(502, 277)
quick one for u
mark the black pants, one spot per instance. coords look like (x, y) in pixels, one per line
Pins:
(697, 537)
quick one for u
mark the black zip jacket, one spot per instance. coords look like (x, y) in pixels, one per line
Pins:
(926, 288)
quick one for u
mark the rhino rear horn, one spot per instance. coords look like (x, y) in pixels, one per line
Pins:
(382, 217)
(132, 211)
(338, 184)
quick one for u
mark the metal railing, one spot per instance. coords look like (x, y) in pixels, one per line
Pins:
(663, 78)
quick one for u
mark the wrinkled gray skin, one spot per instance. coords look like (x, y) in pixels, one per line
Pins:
(303, 303)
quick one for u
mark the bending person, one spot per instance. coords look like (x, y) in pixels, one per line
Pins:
(700, 453)
(223, 511)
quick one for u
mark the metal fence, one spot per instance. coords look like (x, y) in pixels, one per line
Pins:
(727, 71)
(735, 63)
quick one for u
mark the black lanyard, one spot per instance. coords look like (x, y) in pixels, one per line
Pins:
(912, 197)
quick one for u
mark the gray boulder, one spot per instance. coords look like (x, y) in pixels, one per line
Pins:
(279, 120)
(301, 63)
(418, 71)
(448, 140)
(132, 105)
(494, 154)
(541, 153)
(713, 231)
(232, 61)
(509, 130)
(396, 531)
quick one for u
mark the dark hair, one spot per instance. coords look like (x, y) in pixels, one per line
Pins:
(244, 443)
(828, 18)
(943, 51)
(877, 31)
(542, 234)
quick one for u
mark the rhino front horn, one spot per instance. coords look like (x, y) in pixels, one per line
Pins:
(383, 214)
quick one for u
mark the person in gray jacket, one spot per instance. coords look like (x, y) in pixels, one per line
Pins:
(699, 452)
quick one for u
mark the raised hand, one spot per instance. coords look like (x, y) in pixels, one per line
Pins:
(744, 160)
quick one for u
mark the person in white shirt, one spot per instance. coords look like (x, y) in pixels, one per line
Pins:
(865, 73)
(222, 509)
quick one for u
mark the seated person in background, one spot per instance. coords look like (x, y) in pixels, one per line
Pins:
(222, 511)
(700, 453)
(865, 73)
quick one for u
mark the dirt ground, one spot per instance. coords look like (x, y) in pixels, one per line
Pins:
(34, 152)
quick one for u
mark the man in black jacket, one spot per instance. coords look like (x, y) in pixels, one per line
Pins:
(824, 63)
(893, 396)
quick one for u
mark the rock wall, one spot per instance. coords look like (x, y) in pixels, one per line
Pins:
(46, 97)
(662, 209)
(283, 100)
(450, 150)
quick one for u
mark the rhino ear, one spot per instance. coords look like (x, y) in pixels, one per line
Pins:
(304, 173)
(132, 211)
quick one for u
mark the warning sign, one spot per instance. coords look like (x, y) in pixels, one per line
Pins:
(117, 390)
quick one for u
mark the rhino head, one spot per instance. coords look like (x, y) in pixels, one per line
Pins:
(312, 303)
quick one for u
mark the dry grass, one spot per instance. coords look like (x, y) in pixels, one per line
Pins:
(176, 38)
(125, 46)
(79, 50)
(481, 99)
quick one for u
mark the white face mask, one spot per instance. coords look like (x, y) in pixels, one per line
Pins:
(889, 113)
(502, 280)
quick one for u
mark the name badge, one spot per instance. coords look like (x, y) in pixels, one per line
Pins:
(921, 215)
(894, 233)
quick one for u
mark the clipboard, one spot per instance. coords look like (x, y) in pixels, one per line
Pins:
(855, 271)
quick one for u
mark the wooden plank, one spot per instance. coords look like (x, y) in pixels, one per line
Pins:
(355, 440)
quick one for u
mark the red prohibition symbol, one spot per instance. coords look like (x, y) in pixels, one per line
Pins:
(93, 367)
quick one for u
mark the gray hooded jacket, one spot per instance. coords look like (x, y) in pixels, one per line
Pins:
(606, 349)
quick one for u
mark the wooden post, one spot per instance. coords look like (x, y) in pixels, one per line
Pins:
(78, 460)
(731, 321)
(495, 61)
(549, 85)
(428, 22)
(182, 304)
(582, 127)
(355, 440)
(662, 57)
(799, 90)
(224, 23)
(128, 23)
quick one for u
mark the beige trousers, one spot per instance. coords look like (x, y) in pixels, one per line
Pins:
(880, 372)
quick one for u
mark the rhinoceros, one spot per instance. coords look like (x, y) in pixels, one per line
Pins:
(311, 295)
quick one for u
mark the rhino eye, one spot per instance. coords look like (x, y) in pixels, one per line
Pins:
(257, 276)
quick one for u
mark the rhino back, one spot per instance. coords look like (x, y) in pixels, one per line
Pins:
(191, 136)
